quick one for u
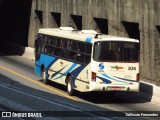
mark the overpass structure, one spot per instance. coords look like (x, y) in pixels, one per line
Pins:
(138, 19)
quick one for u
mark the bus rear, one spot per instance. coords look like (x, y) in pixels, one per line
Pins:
(115, 66)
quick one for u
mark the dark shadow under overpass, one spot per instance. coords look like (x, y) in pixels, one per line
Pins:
(14, 22)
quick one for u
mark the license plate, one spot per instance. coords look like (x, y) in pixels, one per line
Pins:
(115, 88)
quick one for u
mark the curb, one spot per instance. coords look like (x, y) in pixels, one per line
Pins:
(29, 53)
(150, 92)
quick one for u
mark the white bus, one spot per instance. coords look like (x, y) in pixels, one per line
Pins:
(87, 61)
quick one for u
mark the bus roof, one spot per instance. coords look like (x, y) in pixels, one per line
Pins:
(83, 35)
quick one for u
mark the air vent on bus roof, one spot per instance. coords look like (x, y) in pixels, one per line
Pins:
(89, 31)
(66, 28)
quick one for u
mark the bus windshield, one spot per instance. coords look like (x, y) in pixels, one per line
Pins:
(115, 51)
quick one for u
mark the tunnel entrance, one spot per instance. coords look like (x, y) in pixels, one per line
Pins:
(76, 22)
(158, 28)
(39, 18)
(14, 22)
(157, 47)
(101, 25)
(132, 29)
(157, 54)
(56, 19)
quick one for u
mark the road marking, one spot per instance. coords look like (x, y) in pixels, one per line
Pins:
(60, 104)
(47, 87)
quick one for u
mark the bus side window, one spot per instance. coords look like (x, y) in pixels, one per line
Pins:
(81, 47)
(72, 55)
(88, 53)
(45, 49)
(59, 43)
(50, 50)
(48, 41)
(37, 47)
(80, 57)
(73, 46)
(72, 49)
(54, 41)
(65, 44)
(57, 52)
(65, 53)
(88, 48)
(87, 59)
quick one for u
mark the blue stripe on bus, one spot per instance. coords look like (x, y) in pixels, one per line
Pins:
(126, 79)
(49, 62)
(71, 68)
(89, 40)
(54, 74)
(104, 79)
(38, 70)
(68, 71)
(76, 72)
(105, 75)
(46, 60)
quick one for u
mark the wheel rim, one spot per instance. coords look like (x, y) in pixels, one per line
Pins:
(43, 75)
(69, 87)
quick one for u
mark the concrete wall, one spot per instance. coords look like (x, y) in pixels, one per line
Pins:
(138, 19)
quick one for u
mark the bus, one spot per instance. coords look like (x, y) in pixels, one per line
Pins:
(87, 61)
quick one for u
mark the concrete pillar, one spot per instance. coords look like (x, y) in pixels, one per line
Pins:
(147, 27)
(157, 54)
(35, 22)
(32, 26)
(87, 18)
(116, 28)
(65, 16)
(65, 20)
(47, 16)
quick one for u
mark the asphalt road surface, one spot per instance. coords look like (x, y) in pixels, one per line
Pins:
(18, 72)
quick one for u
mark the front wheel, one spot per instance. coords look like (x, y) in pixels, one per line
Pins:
(70, 89)
(44, 76)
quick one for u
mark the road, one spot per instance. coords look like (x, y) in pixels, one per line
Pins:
(18, 72)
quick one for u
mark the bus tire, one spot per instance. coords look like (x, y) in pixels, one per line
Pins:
(70, 89)
(111, 94)
(44, 78)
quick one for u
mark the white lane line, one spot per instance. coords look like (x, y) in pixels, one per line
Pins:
(52, 102)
